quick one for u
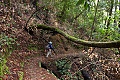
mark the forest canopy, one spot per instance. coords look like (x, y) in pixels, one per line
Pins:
(99, 20)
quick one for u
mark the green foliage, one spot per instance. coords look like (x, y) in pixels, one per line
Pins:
(64, 67)
(104, 34)
(3, 68)
(66, 9)
(6, 46)
(118, 59)
(20, 74)
(80, 2)
(86, 3)
(84, 10)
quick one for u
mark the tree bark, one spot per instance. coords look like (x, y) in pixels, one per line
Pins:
(111, 44)
(94, 20)
(115, 2)
(110, 13)
(119, 18)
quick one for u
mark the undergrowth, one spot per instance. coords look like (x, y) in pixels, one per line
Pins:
(6, 48)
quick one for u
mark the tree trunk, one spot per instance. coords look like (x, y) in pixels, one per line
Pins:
(62, 13)
(110, 13)
(119, 18)
(115, 44)
(115, 22)
(92, 28)
(77, 16)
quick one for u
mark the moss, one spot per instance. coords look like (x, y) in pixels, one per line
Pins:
(20, 74)
(110, 44)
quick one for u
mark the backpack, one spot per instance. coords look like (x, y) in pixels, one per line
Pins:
(47, 47)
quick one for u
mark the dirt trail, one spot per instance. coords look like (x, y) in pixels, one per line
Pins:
(34, 72)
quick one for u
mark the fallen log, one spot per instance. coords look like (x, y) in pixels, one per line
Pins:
(110, 44)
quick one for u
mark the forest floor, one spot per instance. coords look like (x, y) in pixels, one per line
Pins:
(30, 64)
(25, 62)
(34, 72)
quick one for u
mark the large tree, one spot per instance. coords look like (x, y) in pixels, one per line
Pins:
(92, 18)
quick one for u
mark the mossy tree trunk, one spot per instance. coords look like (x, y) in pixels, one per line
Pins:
(111, 44)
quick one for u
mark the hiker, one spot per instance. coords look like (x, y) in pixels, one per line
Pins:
(49, 49)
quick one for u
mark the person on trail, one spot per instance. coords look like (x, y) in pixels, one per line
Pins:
(49, 49)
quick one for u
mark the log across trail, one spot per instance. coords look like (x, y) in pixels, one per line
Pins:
(32, 70)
